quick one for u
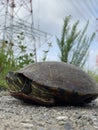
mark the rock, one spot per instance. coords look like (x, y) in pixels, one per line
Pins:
(67, 126)
(27, 125)
(62, 118)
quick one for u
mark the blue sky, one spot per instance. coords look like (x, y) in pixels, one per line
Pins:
(49, 14)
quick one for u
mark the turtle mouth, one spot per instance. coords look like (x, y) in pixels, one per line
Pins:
(18, 83)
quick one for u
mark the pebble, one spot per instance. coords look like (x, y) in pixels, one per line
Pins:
(62, 118)
(67, 126)
(27, 125)
(15, 115)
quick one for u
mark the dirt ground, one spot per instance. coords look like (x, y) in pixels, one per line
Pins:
(16, 115)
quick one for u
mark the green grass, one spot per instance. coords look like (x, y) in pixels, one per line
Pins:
(3, 73)
(94, 75)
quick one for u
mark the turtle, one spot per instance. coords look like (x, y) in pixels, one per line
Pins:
(52, 83)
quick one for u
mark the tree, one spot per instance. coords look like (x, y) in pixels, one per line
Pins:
(74, 44)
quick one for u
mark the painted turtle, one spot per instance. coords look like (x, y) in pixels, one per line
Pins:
(52, 83)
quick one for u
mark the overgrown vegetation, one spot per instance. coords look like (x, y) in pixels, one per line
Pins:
(8, 61)
(74, 44)
(46, 52)
(93, 74)
(24, 58)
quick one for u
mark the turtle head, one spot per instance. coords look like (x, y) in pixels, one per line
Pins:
(18, 82)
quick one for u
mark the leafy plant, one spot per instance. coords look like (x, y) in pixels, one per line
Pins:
(74, 45)
(68, 37)
(8, 60)
(46, 52)
(24, 58)
(80, 50)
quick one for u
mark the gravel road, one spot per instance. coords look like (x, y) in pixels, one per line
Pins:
(16, 115)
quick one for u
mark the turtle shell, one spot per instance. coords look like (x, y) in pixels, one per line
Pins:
(66, 82)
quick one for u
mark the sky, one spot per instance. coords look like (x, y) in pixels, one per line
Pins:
(49, 14)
